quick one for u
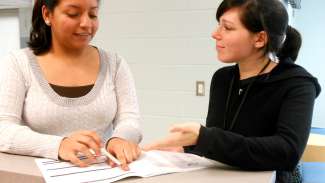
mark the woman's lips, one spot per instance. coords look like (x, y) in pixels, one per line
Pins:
(219, 47)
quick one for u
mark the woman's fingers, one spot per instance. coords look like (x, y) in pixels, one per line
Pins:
(122, 158)
(132, 152)
(171, 149)
(93, 135)
(178, 137)
(128, 155)
(85, 151)
(111, 163)
(172, 140)
(136, 152)
(185, 127)
(76, 161)
(92, 140)
(149, 147)
(89, 142)
(125, 151)
(84, 143)
(177, 128)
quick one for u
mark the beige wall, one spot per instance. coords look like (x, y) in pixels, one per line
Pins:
(168, 46)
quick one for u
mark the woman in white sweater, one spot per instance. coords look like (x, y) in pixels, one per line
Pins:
(61, 96)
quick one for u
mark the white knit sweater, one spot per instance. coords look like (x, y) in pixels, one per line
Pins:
(34, 118)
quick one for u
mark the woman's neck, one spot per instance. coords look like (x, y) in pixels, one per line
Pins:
(70, 56)
(253, 67)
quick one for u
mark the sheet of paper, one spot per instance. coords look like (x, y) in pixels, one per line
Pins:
(149, 164)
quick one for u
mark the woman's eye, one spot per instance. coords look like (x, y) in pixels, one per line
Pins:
(73, 15)
(227, 27)
(93, 16)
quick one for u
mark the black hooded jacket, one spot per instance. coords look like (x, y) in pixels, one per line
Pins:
(272, 126)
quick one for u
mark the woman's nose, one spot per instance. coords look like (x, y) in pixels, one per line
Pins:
(85, 21)
(216, 34)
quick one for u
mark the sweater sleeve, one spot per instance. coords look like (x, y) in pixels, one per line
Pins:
(281, 151)
(16, 136)
(126, 122)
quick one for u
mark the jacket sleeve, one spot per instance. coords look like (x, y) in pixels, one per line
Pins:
(281, 151)
(126, 122)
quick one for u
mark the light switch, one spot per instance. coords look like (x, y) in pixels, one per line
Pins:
(200, 91)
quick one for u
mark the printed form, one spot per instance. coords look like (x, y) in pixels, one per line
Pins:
(149, 164)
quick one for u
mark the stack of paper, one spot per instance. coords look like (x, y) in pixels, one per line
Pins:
(149, 164)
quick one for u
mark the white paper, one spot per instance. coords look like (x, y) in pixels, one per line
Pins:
(149, 164)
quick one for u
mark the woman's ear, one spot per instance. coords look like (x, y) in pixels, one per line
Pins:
(46, 15)
(261, 39)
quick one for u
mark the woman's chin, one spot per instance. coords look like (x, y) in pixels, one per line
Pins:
(225, 60)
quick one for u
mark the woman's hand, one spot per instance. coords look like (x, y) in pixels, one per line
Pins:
(124, 151)
(149, 147)
(180, 135)
(84, 142)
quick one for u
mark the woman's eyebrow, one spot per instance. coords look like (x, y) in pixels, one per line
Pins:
(78, 7)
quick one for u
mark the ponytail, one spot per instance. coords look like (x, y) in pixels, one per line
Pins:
(291, 45)
(40, 38)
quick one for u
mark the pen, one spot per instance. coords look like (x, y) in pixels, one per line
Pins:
(110, 156)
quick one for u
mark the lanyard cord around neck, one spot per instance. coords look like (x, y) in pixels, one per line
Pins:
(233, 121)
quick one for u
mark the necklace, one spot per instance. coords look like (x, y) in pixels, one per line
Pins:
(233, 121)
(240, 91)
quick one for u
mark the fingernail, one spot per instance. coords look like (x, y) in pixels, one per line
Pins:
(126, 168)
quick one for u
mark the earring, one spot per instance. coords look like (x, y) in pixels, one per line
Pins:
(48, 23)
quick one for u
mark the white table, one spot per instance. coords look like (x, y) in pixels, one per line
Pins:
(15, 168)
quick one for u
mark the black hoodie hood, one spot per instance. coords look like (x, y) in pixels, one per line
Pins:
(287, 69)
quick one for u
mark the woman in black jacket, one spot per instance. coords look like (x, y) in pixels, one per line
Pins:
(260, 109)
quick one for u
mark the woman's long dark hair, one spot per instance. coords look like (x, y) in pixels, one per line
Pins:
(40, 38)
(270, 16)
